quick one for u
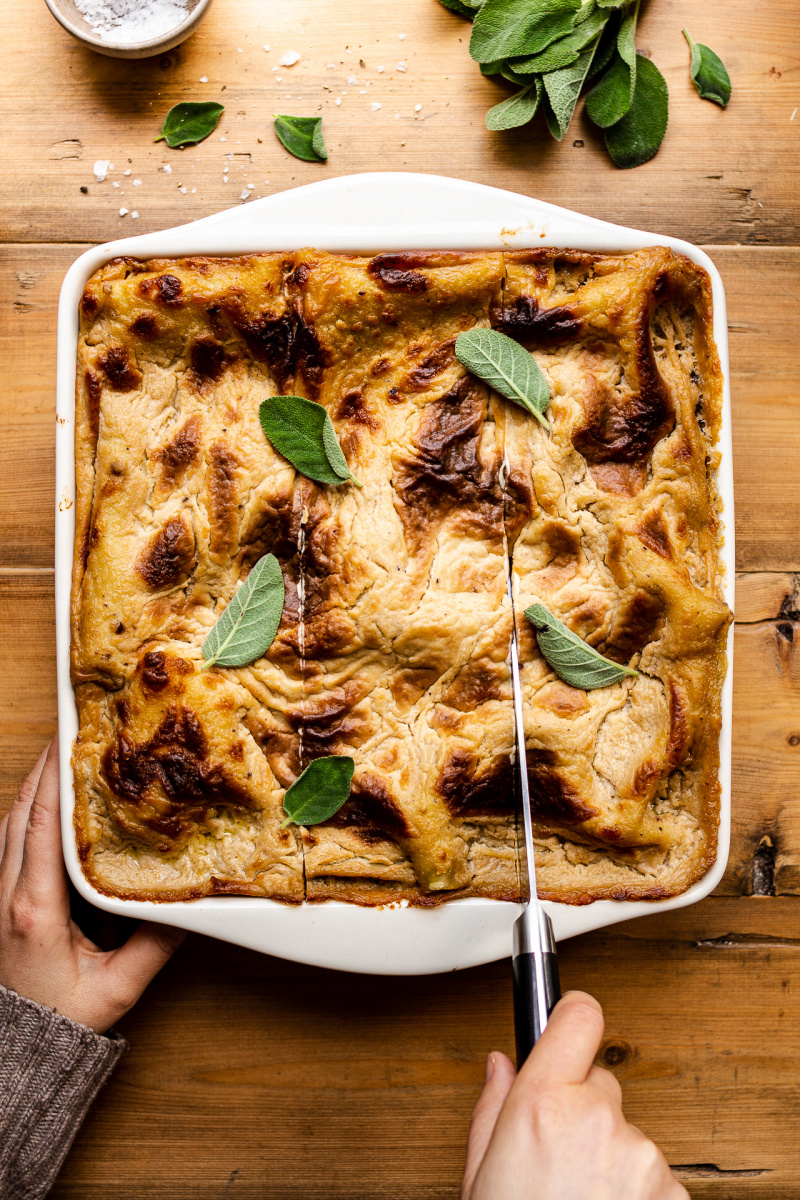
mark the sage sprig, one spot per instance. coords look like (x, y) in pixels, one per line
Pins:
(508, 368)
(549, 49)
(246, 629)
(303, 432)
(569, 656)
(320, 791)
(708, 73)
(302, 137)
(190, 122)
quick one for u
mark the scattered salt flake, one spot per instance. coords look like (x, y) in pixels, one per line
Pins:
(338, 100)
(225, 179)
(101, 169)
(401, 37)
(204, 79)
(166, 168)
(374, 106)
(238, 49)
(379, 70)
(137, 183)
(127, 172)
(352, 81)
(123, 212)
(290, 58)
(278, 78)
(115, 184)
(223, 139)
(194, 190)
(267, 49)
(183, 190)
(245, 195)
(362, 91)
(402, 65)
(794, 114)
(417, 108)
(397, 116)
(134, 215)
(330, 66)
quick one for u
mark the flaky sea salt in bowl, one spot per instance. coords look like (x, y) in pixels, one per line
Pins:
(129, 28)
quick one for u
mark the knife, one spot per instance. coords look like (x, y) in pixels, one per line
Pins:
(537, 989)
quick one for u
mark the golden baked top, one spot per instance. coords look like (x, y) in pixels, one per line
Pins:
(394, 638)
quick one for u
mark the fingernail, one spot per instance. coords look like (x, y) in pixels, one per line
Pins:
(490, 1064)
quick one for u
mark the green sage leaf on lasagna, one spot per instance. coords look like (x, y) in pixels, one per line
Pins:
(508, 368)
(572, 659)
(320, 791)
(303, 433)
(246, 629)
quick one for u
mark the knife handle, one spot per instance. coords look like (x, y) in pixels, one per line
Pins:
(528, 1020)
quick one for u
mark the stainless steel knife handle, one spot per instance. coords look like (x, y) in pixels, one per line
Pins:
(537, 988)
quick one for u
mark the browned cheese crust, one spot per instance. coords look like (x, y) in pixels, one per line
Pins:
(394, 638)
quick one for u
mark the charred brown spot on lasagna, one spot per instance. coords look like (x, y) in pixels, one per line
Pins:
(222, 493)
(154, 674)
(121, 373)
(678, 746)
(434, 364)
(469, 791)
(380, 367)
(525, 320)
(353, 407)
(89, 303)
(165, 289)
(553, 798)
(647, 775)
(654, 534)
(269, 337)
(145, 326)
(446, 471)
(409, 684)
(168, 557)
(93, 393)
(168, 783)
(300, 276)
(475, 684)
(179, 454)
(394, 272)
(635, 624)
(310, 355)
(328, 724)
(209, 359)
(372, 806)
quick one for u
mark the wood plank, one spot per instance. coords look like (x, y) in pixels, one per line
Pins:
(765, 376)
(767, 596)
(719, 176)
(28, 678)
(252, 1077)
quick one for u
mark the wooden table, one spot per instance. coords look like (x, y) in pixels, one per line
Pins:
(252, 1077)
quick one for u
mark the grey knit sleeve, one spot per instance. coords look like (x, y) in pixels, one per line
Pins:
(51, 1069)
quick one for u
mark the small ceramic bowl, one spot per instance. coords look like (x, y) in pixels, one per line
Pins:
(67, 14)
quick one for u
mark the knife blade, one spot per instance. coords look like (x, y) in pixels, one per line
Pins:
(534, 964)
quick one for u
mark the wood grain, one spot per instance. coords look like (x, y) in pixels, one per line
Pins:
(252, 1077)
(766, 403)
(719, 177)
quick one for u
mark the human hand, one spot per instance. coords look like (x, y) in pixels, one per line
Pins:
(43, 954)
(556, 1131)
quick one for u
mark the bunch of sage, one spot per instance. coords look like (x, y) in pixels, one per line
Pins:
(551, 48)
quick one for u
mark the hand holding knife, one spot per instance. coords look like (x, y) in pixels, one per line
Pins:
(536, 984)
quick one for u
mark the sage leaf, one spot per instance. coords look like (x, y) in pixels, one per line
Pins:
(708, 73)
(516, 110)
(563, 88)
(505, 28)
(572, 659)
(463, 10)
(636, 138)
(611, 98)
(606, 47)
(246, 629)
(492, 68)
(565, 50)
(508, 368)
(302, 137)
(523, 80)
(612, 3)
(303, 433)
(189, 122)
(320, 791)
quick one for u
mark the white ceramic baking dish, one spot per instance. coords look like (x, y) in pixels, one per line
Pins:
(365, 214)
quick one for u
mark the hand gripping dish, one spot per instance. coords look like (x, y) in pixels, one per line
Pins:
(394, 638)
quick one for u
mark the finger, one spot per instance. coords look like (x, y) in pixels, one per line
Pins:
(607, 1083)
(128, 971)
(18, 823)
(500, 1075)
(566, 1049)
(42, 875)
(3, 827)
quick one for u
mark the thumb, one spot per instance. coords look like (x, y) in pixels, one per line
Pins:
(129, 969)
(500, 1075)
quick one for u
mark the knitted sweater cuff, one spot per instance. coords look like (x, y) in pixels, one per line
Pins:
(51, 1068)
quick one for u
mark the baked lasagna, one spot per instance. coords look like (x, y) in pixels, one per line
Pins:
(394, 639)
